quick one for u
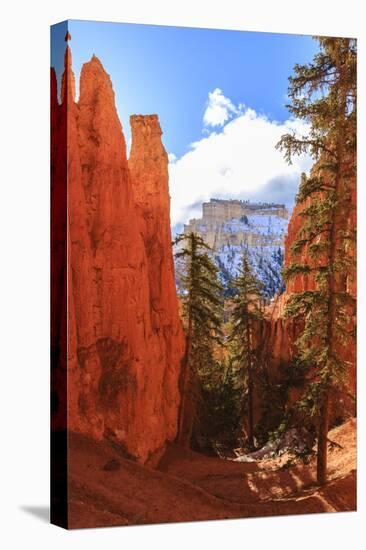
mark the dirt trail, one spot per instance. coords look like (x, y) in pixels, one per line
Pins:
(106, 489)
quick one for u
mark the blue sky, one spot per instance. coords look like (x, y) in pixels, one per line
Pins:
(171, 71)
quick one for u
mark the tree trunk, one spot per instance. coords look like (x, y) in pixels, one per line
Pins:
(250, 411)
(335, 283)
(186, 416)
(323, 428)
(186, 408)
(250, 391)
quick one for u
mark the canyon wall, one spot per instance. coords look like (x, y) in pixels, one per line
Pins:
(123, 333)
(278, 334)
(240, 223)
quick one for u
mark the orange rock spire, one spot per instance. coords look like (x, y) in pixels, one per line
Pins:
(68, 77)
(125, 339)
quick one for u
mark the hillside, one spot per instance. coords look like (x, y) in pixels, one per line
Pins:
(107, 489)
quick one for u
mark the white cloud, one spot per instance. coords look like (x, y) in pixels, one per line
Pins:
(219, 109)
(238, 161)
(172, 157)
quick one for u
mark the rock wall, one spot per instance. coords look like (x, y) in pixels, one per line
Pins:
(239, 223)
(124, 336)
(222, 210)
(278, 334)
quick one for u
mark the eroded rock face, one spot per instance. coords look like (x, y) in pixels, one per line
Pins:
(279, 334)
(125, 340)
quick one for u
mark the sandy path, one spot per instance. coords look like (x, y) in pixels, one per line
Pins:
(106, 489)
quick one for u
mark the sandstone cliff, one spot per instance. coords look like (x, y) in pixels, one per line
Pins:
(125, 339)
(279, 334)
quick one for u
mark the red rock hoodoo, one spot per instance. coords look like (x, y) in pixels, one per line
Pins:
(125, 339)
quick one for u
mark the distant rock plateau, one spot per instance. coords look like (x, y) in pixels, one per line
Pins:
(234, 227)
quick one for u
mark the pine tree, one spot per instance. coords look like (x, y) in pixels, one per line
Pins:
(323, 94)
(220, 408)
(246, 312)
(202, 318)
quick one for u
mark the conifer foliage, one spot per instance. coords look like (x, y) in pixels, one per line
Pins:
(220, 410)
(323, 94)
(202, 303)
(246, 312)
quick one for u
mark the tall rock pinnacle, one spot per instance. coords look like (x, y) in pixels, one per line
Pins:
(68, 77)
(125, 339)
